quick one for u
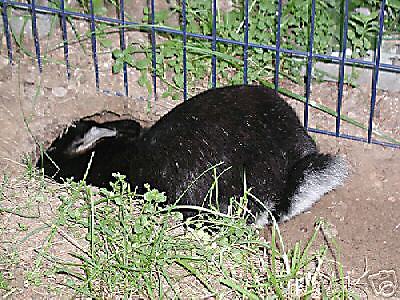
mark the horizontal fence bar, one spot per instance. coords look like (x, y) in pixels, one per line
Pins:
(353, 137)
(301, 54)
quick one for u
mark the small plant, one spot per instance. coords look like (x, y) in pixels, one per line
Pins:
(362, 32)
(3, 283)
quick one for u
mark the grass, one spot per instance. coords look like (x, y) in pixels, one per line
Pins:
(118, 243)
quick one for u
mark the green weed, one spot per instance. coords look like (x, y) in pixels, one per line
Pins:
(125, 244)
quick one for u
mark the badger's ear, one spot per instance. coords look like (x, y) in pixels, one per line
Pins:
(91, 137)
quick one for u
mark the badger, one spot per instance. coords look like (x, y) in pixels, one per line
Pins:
(249, 133)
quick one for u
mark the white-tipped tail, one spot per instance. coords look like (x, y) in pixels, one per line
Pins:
(315, 184)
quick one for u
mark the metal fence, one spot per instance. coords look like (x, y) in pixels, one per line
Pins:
(33, 8)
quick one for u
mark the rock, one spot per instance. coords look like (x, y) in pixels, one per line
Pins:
(59, 91)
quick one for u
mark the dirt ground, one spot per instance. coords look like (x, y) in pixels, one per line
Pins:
(364, 214)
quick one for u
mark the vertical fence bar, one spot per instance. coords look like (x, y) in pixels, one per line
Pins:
(94, 46)
(7, 31)
(246, 41)
(153, 50)
(36, 34)
(65, 38)
(375, 77)
(122, 44)
(214, 45)
(309, 63)
(278, 45)
(184, 36)
(341, 66)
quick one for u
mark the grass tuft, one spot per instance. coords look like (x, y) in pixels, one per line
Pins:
(119, 243)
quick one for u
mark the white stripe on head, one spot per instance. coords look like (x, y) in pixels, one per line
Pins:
(90, 138)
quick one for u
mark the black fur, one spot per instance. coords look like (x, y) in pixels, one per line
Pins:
(248, 128)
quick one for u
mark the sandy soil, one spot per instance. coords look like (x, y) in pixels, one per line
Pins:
(364, 214)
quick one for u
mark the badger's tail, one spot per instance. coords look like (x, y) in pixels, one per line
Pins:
(310, 178)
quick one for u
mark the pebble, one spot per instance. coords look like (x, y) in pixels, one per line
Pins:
(330, 230)
(378, 184)
(59, 91)
(3, 61)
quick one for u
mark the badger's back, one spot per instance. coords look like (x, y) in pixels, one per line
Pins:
(248, 128)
